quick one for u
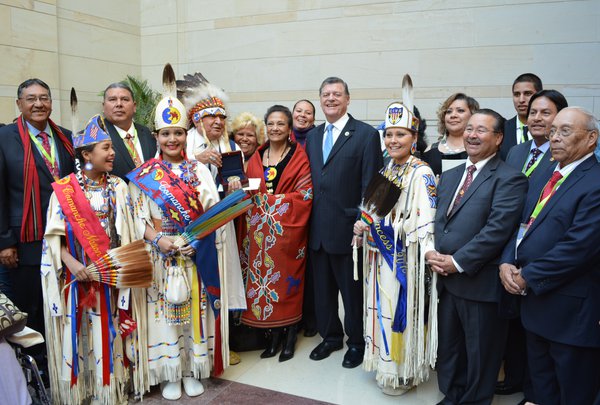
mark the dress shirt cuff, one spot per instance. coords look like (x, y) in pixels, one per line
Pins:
(458, 268)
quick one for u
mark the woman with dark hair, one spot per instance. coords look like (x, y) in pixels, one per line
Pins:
(303, 115)
(274, 246)
(453, 116)
(89, 213)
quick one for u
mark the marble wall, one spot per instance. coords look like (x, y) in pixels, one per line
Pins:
(277, 51)
(67, 43)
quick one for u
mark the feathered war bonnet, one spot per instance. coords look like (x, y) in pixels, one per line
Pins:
(384, 189)
(169, 112)
(201, 99)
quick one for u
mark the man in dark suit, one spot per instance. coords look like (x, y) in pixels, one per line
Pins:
(34, 152)
(479, 208)
(133, 143)
(515, 129)
(532, 158)
(554, 262)
(344, 154)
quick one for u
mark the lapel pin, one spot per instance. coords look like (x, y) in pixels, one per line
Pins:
(346, 133)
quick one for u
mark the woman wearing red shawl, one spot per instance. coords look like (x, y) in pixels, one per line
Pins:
(274, 257)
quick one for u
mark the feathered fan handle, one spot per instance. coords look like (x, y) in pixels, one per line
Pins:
(128, 266)
(169, 82)
(74, 123)
(407, 92)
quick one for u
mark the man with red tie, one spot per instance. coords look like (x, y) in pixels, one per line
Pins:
(478, 210)
(553, 261)
(34, 152)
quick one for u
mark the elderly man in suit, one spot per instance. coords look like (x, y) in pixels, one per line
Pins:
(532, 158)
(515, 129)
(554, 262)
(34, 152)
(133, 143)
(344, 154)
(478, 210)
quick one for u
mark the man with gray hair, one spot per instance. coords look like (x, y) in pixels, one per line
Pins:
(133, 143)
(553, 261)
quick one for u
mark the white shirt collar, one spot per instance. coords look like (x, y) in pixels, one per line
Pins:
(479, 165)
(122, 133)
(339, 124)
(565, 171)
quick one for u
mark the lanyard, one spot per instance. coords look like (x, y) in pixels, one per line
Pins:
(532, 168)
(542, 203)
(49, 157)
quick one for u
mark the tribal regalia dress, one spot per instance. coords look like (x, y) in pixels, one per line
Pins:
(274, 246)
(400, 295)
(182, 339)
(87, 356)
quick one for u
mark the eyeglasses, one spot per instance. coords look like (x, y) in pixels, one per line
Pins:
(478, 130)
(32, 99)
(564, 132)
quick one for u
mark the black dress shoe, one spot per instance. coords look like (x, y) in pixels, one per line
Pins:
(274, 343)
(507, 389)
(353, 357)
(324, 349)
(289, 344)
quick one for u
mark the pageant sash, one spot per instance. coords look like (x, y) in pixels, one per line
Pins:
(175, 198)
(82, 218)
(383, 236)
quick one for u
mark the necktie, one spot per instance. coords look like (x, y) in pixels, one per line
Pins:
(52, 166)
(132, 150)
(535, 153)
(525, 136)
(548, 189)
(468, 180)
(328, 144)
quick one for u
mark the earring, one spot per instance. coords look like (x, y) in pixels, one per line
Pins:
(88, 166)
(413, 148)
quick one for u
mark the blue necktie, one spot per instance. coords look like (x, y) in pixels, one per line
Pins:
(328, 144)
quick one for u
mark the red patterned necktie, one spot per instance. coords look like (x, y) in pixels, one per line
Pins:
(468, 180)
(46, 145)
(535, 153)
(132, 150)
(548, 189)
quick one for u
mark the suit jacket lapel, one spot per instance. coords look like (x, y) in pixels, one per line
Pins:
(317, 152)
(146, 142)
(571, 180)
(119, 146)
(346, 133)
(486, 172)
(452, 178)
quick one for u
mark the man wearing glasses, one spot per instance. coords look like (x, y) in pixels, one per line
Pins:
(34, 152)
(553, 261)
(479, 207)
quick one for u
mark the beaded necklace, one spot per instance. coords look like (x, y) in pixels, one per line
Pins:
(271, 170)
